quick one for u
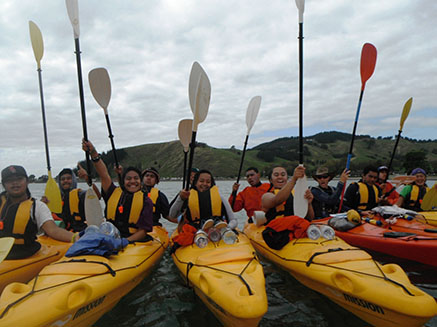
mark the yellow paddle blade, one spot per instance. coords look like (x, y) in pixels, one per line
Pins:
(53, 194)
(5, 246)
(429, 201)
(405, 112)
(37, 42)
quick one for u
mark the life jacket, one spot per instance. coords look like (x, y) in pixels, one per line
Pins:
(123, 209)
(281, 210)
(367, 202)
(415, 197)
(323, 209)
(17, 223)
(204, 205)
(72, 215)
(153, 194)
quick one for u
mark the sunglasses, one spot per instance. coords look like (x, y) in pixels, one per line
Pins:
(322, 176)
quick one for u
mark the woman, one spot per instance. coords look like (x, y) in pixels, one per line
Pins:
(412, 195)
(278, 201)
(203, 202)
(127, 206)
(389, 194)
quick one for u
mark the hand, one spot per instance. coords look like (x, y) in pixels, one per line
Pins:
(299, 172)
(309, 196)
(118, 169)
(44, 199)
(184, 194)
(235, 187)
(88, 146)
(82, 173)
(344, 176)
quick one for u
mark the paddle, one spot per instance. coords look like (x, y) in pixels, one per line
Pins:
(300, 204)
(251, 114)
(400, 180)
(51, 192)
(405, 112)
(6, 244)
(367, 67)
(199, 91)
(100, 85)
(73, 14)
(184, 132)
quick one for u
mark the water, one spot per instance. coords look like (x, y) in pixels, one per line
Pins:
(163, 300)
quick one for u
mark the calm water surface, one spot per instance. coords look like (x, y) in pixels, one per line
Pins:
(163, 300)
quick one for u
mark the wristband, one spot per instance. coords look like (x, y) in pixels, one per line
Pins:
(96, 158)
(74, 237)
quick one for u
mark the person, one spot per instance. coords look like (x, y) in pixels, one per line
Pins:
(364, 195)
(127, 206)
(193, 172)
(388, 191)
(22, 216)
(202, 202)
(412, 195)
(327, 198)
(278, 201)
(249, 199)
(161, 207)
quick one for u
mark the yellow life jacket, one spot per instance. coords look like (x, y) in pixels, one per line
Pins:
(116, 211)
(73, 200)
(194, 204)
(415, 198)
(153, 195)
(364, 195)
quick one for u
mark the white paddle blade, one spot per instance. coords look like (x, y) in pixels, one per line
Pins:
(6, 244)
(100, 85)
(184, 132)
(199, 91)
(301, 6)
(73, 14)
(300, 204)
(93, 209)
(37, 42)
(252, 112)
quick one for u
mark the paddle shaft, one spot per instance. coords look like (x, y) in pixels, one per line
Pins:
(234, 193)
(300, 93)
(43, 112)
(185, 168)
(190, 161)
(82, 106)
(394, 151)
(111, 138)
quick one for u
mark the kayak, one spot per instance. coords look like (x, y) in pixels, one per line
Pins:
(417, 225)
(430, 217)
(381, 295)
(23, 270)
(77, 291)
(227, 277)
(398, 242)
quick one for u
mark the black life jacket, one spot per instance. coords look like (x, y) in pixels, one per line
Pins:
(284, 209)
(323, 209)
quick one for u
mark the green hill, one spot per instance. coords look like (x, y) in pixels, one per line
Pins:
(327, 148)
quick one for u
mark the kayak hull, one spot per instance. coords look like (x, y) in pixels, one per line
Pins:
(227, 278)
(78, 291)
(351, 278)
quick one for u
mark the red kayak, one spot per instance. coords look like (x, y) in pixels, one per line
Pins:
(410, 225)
(397, 241)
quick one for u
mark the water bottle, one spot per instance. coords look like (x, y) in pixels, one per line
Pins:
(109, 229)
(214, 234)
(201, 239)
(92, 229)
(313, 232)
(228, 236)
(327, 232)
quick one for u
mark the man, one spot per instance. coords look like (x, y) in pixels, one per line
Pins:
(389, 194)
(161, 207)
(250, 198)
(364, 195)
(21, 216)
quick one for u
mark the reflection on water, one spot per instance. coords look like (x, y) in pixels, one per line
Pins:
(163, 300)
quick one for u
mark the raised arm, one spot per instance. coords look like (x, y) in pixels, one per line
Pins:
(99, 165)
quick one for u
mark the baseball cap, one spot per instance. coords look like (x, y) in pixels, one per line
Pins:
(13, 171)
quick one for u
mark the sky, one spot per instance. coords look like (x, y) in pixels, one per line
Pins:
(246, 47)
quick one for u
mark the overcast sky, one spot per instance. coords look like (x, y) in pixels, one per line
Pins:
(247, 48)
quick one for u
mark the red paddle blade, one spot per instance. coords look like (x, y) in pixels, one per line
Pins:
(368, 62)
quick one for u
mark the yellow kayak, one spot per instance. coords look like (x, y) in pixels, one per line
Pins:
(23, 270)
(78, 291)
(430, 217)
(382, 295)
(227, 278)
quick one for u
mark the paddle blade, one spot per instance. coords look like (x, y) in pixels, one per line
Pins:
(300, 204)
(73, 14)
(6, 244)
(405, 112)
(199, 91)
(429, 201)
(100, 85)
(184, 132)
(93, 209)
(53, 194)
(368, 62)
(37, 42)
(404, 179)
(252, 112)
(301, 6)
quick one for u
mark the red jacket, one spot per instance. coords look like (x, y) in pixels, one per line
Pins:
(249, 199)
(393, 197)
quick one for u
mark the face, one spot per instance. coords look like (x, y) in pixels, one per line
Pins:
(323, 180)
(370, 178)
(279, 177)
(204, 182)
(16, 186)
(382, 175)
(132, 181)
(149, 179)
(192, 176)
(252, 177)
(420, 179)
(66, 181)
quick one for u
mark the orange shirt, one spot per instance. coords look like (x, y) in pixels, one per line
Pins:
(249, 199)
(393, 197)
